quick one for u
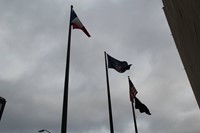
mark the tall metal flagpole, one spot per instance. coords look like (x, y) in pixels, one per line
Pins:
(66, 85)
(109, 99)
(134, 118)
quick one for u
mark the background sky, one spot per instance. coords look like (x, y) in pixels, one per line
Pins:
(33, 48)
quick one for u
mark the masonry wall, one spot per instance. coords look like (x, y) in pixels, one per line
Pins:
(183, 17)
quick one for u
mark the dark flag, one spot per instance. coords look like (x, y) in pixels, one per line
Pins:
(120, 66)
(76, 23)
(2, 105)
(132, 90)
(142, 108)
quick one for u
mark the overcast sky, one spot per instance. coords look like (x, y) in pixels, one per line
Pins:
(33, 48)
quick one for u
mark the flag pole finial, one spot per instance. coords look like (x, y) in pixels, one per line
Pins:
(71, 6)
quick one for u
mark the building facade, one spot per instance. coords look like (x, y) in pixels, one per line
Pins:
(183, 17)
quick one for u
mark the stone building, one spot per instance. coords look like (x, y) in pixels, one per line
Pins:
(183, 17)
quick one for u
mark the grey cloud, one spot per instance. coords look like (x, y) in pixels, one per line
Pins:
(33, 53)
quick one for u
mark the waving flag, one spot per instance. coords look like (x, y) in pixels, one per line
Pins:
(120, 66)
(132, 90)
(76, 23)
(142, 108)
(2, 105)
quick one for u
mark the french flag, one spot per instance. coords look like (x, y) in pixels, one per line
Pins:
(76, 23)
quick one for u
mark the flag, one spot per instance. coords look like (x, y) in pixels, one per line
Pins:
(132, 90)
(120, 66)
(2, 105)
(76, 23)
(142, 108)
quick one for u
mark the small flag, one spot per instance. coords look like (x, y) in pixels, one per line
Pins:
(2, 105)
(76, 23)
(132, 90)
(120, 66)
(142, 108)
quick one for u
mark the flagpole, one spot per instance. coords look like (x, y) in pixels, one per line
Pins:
(134, 118)
(66, 84)
(109, 99)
